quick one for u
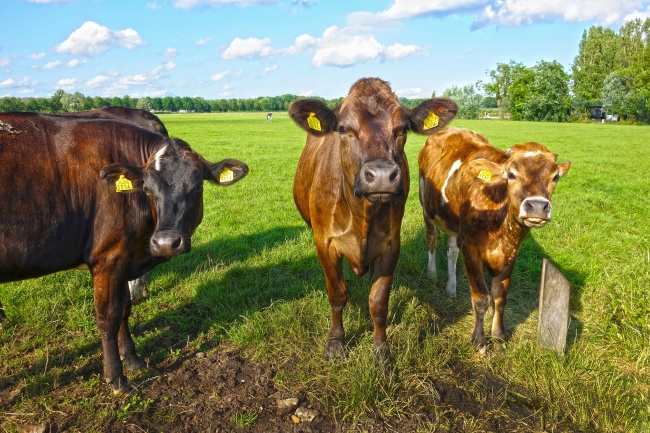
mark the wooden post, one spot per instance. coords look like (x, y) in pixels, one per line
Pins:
(553, 321)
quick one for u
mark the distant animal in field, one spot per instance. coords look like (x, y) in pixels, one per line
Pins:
(143, 119)
(101, 195)
(269, 117)
(486, 200)
(351, 186)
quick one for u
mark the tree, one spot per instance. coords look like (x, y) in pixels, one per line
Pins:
(144, 104)
(499, 87)
(597, 57)
(542, 94)
(619, 98)
(469, 102)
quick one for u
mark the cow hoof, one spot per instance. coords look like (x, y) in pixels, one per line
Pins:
(334, 349)
(122, 387)
(133, 363)
(382, 355)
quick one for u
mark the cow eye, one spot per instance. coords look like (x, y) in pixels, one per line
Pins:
(511, 176)
(342, 130)
(556, 178)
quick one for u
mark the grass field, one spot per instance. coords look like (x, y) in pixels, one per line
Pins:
(253, 279)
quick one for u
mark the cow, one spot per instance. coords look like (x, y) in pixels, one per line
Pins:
(351, 185)
(269, 117)
(136, 116)
(101, 195)
(486, 200)
(143, 119)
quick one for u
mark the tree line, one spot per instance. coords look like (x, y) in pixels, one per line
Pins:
(610, 75)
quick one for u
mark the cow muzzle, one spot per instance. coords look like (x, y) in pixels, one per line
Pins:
(379, 181)
(535, 212)
(168, 243)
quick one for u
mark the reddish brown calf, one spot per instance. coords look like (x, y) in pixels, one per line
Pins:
(485, 200)
(351, 186)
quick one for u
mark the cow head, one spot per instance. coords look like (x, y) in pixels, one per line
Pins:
(173, 180)
(370, 126)
(531, 174)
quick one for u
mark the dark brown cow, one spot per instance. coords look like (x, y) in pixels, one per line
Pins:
(142, 118)
(486, 200)
(102, 195)
(351, 186)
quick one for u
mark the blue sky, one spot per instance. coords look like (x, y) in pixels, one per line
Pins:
(248, 48)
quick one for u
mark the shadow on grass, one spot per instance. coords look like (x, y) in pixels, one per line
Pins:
(523, 294)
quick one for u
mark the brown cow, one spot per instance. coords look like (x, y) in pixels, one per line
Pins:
(101, 195)
(142, 118)
(351, 185)
(485, 200)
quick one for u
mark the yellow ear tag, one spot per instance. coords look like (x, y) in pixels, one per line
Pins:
(226, 175)
(485, 175)
(313, 122)
(123, 184)
(431, 121)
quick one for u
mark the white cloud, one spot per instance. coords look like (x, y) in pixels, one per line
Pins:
(52, 65)
(510, 12)
(220, 75)
(153, 5)
(349, 46)
(75, 62)
(4, 61)
(269, 70)
(26, 82)
(190, 4)
(203, 41)
(91, 39)
(36, 56)
(67, 83)
(518, 12)
(249, 48)
(97, 81)
(47, 1)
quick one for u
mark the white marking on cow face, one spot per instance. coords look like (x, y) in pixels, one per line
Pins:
(158, 158)
(454, 168)
(531, 153)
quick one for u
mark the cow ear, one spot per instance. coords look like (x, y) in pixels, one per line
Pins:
(432, 115)
(486, 171)
(563, 168)
(313, 116)
(126, 178)
(225, 172)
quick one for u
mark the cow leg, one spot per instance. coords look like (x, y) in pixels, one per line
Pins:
(382, 280)
(499, 293)
(452, 260)
(111, 299)
(337, 295)
(130, 360)
(3, 317)
(480, 295)
(432, 242)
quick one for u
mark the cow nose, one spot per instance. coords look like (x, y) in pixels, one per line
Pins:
(167, 243)
(379, 177)
(535, 208)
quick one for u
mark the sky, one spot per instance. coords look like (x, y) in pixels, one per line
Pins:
(219, 49)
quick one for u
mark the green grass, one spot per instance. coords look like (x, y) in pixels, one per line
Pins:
(253, 278)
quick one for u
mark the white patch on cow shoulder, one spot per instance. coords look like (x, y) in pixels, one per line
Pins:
(454, 168)
(531, 153)
(158, 158)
